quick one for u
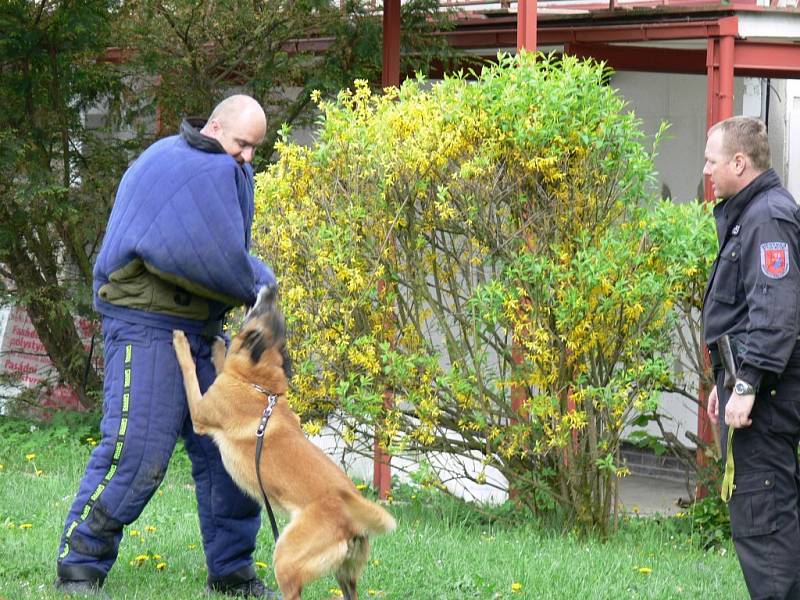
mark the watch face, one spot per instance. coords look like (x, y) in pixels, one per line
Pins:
(741, 388)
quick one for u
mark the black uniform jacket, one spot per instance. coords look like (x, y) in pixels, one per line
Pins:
(753, 293)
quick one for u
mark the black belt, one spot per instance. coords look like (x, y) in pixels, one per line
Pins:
(213, 329)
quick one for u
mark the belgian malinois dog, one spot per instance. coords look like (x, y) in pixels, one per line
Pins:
(330, 522)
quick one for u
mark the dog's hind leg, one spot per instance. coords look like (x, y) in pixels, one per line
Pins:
(312, 545)
(350, 570)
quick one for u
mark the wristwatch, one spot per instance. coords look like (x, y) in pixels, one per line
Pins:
(743, 388)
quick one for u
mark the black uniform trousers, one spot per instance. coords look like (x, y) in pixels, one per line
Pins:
(765, 519)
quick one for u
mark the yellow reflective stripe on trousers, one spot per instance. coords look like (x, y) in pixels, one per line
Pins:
(727, 481)
(112, 469)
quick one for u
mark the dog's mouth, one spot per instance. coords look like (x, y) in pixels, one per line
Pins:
(270, 332)
(265, 303)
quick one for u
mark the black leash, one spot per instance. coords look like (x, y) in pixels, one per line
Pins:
(272, 400)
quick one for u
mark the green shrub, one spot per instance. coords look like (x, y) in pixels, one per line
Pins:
(469, 246)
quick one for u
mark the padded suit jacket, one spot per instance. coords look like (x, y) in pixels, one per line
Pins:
(176, 250)
(753, 293)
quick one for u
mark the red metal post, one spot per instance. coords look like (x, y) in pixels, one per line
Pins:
(719, 106)
(391, 43)
(526, 25)
(726, 54)
(381, 467)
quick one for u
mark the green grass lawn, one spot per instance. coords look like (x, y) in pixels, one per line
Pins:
(441, 549)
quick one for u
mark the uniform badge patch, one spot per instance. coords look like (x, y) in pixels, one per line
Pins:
(775, 259)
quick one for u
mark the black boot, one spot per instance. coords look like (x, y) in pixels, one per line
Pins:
(81, 581)
(242, 583)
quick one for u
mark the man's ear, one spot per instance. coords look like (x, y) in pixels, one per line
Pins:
(739, 163)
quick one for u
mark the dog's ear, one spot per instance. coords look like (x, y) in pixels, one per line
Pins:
(254, 342)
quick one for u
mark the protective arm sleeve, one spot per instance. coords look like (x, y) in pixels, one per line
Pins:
(197, 240)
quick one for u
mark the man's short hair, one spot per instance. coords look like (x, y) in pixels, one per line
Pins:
(747, 135)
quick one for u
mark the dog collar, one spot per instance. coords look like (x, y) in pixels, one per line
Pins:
(272, 400)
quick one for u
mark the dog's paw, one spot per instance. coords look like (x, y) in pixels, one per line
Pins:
(181, 344)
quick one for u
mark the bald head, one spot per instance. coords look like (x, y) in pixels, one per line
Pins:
(238, 123)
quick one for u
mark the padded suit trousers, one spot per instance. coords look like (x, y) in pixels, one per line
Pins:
(765, 520)
(144, 412)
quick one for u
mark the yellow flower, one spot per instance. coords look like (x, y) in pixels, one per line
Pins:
(156, 557)
(161, 566)
(192, 546)
(30, 456)
(645, 570)
(25, 525)
(139, 560)
(149, 528)
(376, 592)
(39, 472)
(134, 532)
(336, 592)
(1, 466)
(516, 587)
(361, 486)
(261, 565)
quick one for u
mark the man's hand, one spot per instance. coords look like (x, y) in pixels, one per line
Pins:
(737, 410)
(713, 403)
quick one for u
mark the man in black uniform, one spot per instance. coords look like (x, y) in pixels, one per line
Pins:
(753, 296)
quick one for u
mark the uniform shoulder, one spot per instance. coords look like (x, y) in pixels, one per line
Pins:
(782, 205)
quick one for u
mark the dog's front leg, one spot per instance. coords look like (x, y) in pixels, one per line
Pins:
(218, 351)
(194, 397)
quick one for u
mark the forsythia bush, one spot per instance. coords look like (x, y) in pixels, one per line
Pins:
(485, 253)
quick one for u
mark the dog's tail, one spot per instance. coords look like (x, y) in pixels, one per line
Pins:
(370, 517)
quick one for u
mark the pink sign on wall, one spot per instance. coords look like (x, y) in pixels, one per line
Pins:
(23, 356)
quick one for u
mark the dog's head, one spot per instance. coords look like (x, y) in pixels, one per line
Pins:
(259, 349)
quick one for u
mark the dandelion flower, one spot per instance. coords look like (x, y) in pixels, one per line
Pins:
(140, 560)
(361, 486)
(336, 592)
(25, 525)
(516, 587)
(39, 472)
(261, 565)
(645, 570)
(134, 532)
(150, 528)
(161, 566)
(30, 456)
(192, 546)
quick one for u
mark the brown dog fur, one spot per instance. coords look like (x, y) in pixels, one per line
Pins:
(330, 520)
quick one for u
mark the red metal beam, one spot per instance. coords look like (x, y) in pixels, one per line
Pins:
(638, 32)
(767, 60)
(638, 58)
(749, 58)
